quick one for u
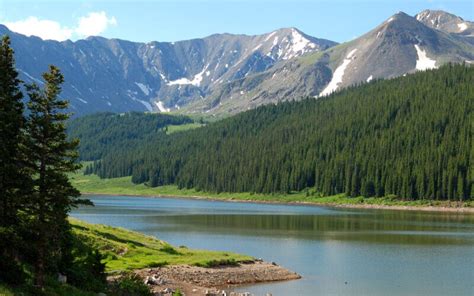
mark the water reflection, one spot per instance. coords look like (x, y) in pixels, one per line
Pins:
(368, 228)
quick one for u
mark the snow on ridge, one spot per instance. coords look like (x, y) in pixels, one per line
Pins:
(423, 62)
(161, 107)
(370, 78)
(390, 19)
(462, 27)
(299, 45)
(338, 74)
(144, 88)
(270, 36)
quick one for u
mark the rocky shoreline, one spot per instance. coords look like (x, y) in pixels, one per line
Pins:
(194, 281)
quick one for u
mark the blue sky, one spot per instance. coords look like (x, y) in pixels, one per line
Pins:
(166, 20)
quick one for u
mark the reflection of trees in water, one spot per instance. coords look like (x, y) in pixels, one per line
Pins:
(383, 227)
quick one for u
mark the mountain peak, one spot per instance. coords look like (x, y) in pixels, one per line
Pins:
(400, 17)
(445, 21)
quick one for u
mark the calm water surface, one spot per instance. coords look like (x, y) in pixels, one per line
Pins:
(337, 251)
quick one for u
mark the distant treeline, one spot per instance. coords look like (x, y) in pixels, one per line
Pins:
(103, 133)
(410, 137)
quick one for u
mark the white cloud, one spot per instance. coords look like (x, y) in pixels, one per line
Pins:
(93, 24)
(45, 29)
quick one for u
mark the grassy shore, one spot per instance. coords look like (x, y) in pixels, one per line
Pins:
(92, 184)
(126, 250)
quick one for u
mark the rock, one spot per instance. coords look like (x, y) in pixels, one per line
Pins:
(167, 290)
(62, 278)
(153, 280)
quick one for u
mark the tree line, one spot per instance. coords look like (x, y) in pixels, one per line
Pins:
(103, 133)
(36, 242)
(410, 137)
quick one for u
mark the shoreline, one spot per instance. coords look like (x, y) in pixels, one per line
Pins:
(193, 280)
(422, 208)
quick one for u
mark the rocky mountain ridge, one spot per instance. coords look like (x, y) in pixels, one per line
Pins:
(226, 74)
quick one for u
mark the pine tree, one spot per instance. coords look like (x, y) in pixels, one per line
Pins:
(51, 157)
(13, 180)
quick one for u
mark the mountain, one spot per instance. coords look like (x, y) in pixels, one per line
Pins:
(409, 136)
(446, 22)
(398, 46)
(227, 74)
(117, 75)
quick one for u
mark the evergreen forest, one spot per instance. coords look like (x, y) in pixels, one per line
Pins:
(409, 137)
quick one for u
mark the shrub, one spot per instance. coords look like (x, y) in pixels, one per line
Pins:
(169, 250)
(129, 285)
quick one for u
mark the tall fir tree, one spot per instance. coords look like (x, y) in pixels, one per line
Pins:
(13, 180)
(51, 157)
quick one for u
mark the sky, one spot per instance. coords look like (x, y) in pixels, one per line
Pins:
(167, 20)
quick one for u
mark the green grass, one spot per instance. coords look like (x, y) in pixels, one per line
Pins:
(6, 291)
(52, 288)
(127, 250)
(124, 186)
(183, 127)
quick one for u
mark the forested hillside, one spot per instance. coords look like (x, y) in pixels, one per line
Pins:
(410, 137)
(106, 132)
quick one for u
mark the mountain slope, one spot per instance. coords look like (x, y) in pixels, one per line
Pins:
(409, 136)
(398, 46)
(117, 75)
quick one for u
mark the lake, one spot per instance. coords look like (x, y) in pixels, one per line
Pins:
(337, 251)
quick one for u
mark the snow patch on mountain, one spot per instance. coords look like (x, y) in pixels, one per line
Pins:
(144, 88)
(370, 78)
(73, 87)
(297, 45)
(196, 81)
(270, 35)
(31, 77)
(423, 62)
(163, 77)
(338, 74)
(147, 105)
(462, 27)
(161, 107)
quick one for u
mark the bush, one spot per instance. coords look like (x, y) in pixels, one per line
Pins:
(129, 285)
(86, 270)
(157, 264)
(216, 263)
(169, 250)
